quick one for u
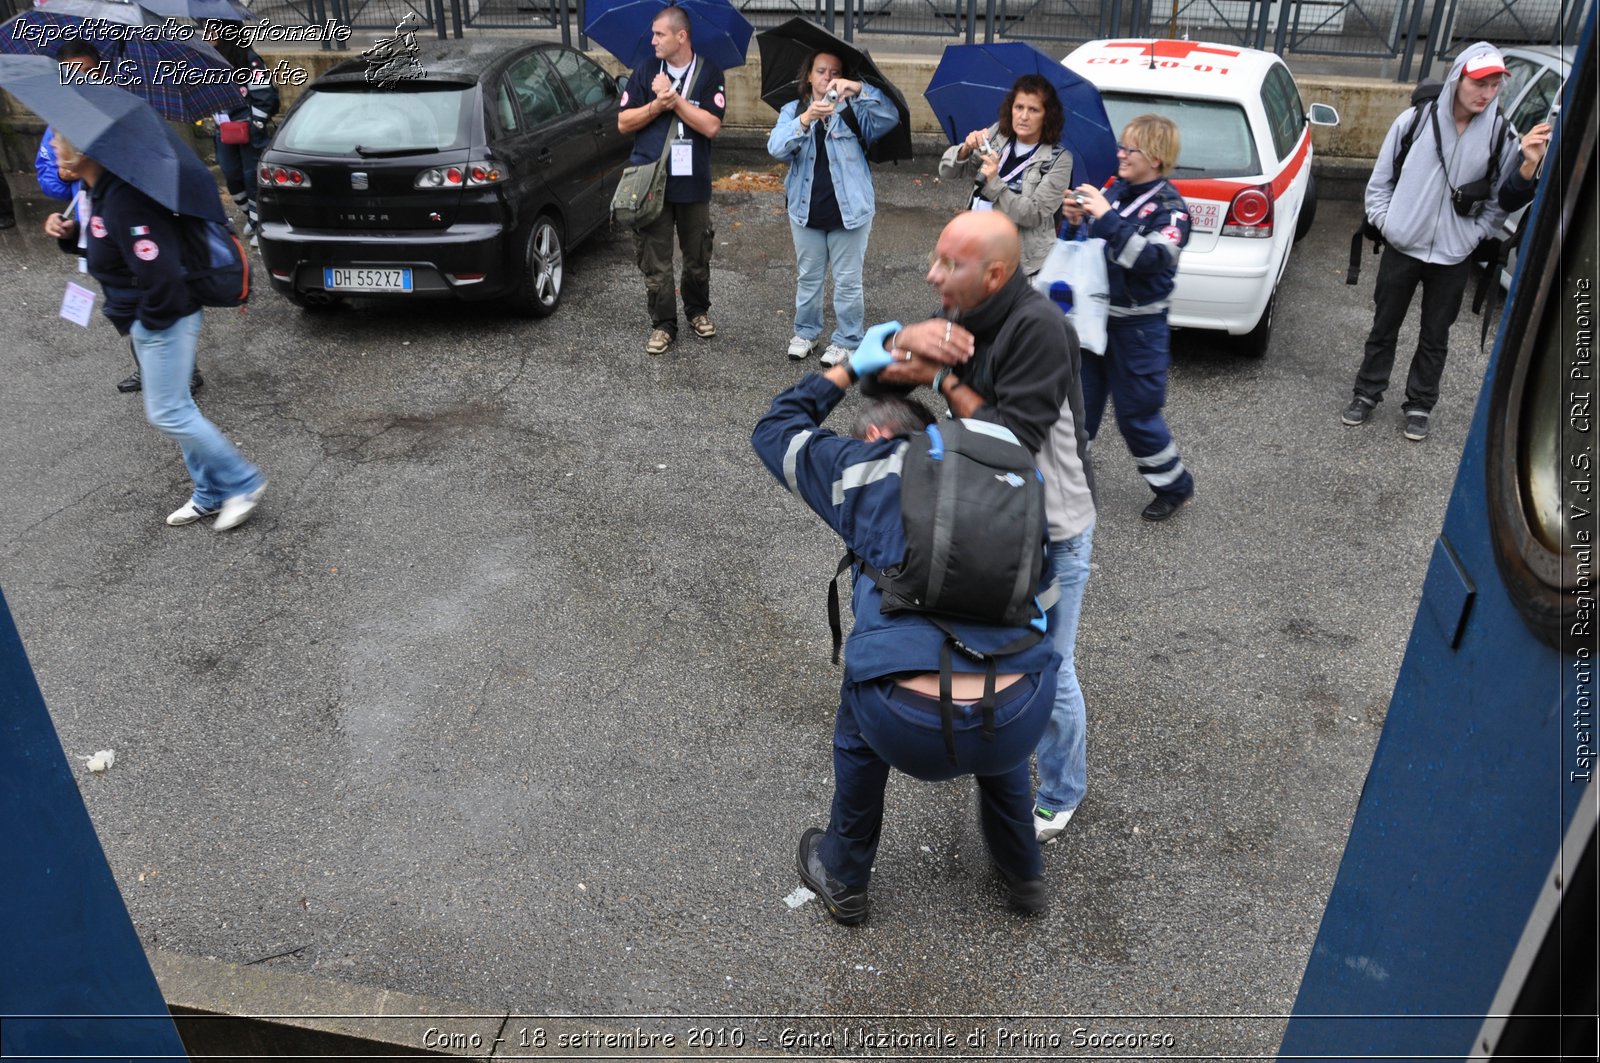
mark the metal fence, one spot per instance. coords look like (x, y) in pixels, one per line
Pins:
(1402, 39)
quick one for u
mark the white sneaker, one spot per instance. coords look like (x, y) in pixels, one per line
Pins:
(1047, 825)
(835, 354)
(800, 348)
(188, 513)
(236, 510)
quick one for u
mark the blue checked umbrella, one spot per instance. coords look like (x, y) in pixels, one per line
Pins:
(622, 27)
(184, 79)
(972, 81)
(122, 133)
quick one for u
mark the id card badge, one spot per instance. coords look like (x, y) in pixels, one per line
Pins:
(979, 203)
(77, 304)
(682, 164)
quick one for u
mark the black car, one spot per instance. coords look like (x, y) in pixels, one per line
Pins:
(469, 176)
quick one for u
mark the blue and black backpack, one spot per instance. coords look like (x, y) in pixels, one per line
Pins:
(214, 262)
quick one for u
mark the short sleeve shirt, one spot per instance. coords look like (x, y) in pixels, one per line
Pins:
(706, 91)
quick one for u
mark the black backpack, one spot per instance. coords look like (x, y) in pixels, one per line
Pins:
(214, 262)
(972, 507)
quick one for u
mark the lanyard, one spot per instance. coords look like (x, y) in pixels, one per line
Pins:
(1136, 204)
(681, 85)
(1007, 178)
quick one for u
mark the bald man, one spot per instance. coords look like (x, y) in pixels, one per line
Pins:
(1000, 351)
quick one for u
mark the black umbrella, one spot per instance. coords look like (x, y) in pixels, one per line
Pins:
(785, 48)
(125, 135)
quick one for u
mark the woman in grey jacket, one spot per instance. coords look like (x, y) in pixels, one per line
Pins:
(1018, 165)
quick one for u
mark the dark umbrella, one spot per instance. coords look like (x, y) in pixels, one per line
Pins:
(972, 81)
(125, 135)
(199, 10)
(183, 79)
(622, 27)
(785, 48)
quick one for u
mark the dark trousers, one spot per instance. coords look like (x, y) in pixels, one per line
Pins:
(881, 725)
(1442, 289)
(653, 244)
(1133, 372)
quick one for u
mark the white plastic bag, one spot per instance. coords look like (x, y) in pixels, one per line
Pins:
(1074, 277)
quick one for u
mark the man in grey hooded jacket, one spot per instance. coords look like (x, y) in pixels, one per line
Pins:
(1433, 214)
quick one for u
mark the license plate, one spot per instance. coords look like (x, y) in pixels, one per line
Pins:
(361, 279)
(1205, 217)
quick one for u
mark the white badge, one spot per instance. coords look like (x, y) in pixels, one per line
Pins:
(682, 159)
(78, 304)
(220, 117)
(979, 203)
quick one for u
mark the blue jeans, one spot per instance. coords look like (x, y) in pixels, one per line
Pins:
(1063, 770)
(166, 360)
(814, 251)
(881, 725)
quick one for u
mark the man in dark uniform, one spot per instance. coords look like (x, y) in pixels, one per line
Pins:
(889, 705)
(674, 103)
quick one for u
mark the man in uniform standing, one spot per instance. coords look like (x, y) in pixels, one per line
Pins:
(674, 104)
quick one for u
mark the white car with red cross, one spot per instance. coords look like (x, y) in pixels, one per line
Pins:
(1244, 167)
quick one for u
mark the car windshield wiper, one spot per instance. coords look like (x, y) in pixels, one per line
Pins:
(373, 153)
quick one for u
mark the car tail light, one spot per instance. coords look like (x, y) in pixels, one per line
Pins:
(471, 175)
(1250, 213)
(282, 177)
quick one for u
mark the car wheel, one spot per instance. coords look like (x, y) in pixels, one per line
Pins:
(543, 269)
(1308, 210)
(1253, 344)
(315, 300)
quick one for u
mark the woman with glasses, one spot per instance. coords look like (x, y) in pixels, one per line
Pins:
(1018, 165)
(1145, 223)
(823, 135)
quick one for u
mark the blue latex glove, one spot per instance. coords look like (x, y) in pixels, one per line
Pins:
(871, 357)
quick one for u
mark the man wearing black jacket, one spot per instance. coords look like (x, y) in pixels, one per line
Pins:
(1013, 358)
(135, 251)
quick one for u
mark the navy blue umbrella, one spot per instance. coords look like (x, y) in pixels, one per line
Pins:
(971, 83)
(622, 27)
(166, 63)
(125, 135)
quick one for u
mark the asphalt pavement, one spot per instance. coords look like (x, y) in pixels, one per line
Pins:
(516, 691)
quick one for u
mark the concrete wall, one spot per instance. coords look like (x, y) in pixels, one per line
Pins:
(1366, 107)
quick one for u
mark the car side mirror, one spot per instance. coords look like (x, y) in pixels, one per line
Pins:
(622, 83)
(1322, 114)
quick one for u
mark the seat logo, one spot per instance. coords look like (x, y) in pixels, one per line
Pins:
(358, 181)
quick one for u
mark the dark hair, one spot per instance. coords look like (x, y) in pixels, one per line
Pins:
(76, 49)
(1054, 117)
(894, 414)
(803, 83)
(678, 17)
(227, 44)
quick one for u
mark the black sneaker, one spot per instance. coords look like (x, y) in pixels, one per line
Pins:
(1163, 506)
(129, 384)
(847, 906)
(1357, 412)
(196, 381)
(1416, 425)
(1025, 895)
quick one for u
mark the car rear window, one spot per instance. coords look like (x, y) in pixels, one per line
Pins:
(1214, 135)
(338, 119)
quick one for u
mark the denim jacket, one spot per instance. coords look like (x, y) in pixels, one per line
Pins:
(847, 157)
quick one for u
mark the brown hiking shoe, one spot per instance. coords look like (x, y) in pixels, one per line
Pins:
(702, 326)
(660, 340)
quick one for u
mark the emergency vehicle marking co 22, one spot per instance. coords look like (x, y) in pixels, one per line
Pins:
(1244, 167)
